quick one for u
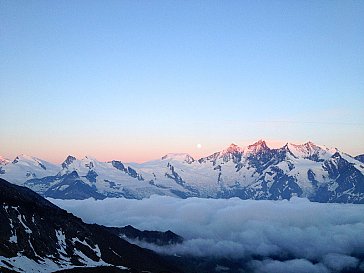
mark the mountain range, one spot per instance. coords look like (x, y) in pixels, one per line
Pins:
(253, 172)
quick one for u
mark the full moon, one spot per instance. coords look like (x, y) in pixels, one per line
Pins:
(199, 146)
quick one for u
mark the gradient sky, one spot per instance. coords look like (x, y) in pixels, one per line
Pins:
(133, 80)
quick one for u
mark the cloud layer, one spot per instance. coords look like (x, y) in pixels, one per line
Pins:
(286, 236)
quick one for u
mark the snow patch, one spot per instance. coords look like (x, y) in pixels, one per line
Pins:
(96, 249)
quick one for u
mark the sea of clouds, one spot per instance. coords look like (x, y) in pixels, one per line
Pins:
(269, 236)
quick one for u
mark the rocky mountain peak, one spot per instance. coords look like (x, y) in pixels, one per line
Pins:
(258, 146)
(233, 148)
(68, 161)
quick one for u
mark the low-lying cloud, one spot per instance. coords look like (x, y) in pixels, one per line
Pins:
(270, 236)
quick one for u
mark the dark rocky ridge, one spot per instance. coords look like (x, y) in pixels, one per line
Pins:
(152, 237)
(360, 158)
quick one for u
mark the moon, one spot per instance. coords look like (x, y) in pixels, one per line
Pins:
(199, 146)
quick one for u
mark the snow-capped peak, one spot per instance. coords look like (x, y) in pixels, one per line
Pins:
(312, 146)
(233, 152)
(69, 160)
(233, 148)
(310, 150)
(89, 161)
(306, 148)
(26, 159)
(90, 158)
(4, 161)
(257, 147)
(22, 157)
(81, 166)
(25, 167)
(183, 157)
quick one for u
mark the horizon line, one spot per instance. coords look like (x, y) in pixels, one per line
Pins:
(270, 146)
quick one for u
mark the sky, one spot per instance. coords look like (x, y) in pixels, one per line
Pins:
(134, 80)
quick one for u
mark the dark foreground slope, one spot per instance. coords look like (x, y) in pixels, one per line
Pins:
(36, 231)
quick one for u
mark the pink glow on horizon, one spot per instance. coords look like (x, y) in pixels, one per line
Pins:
(139, 153)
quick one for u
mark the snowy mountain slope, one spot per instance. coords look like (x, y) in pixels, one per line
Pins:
(252, 172)
(37, 236)
(25, 167)
(87, 177)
